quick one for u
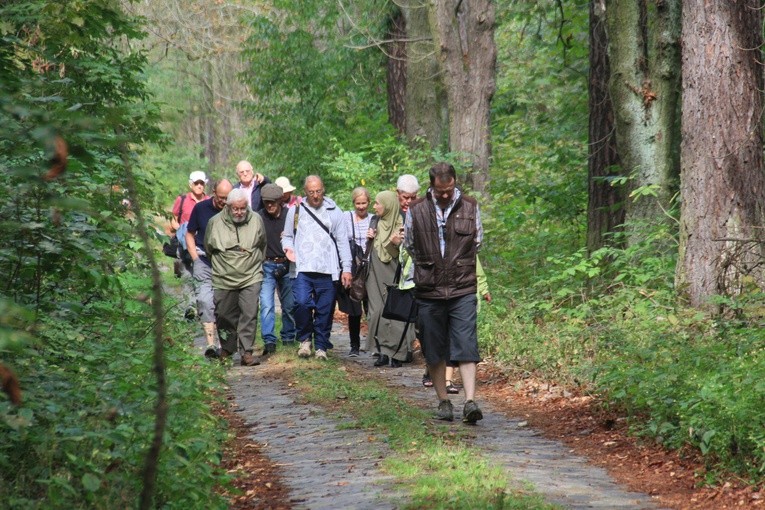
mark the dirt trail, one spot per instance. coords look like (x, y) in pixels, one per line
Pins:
(328, 465)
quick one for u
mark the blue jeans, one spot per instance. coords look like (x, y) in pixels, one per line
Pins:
(314, 307)
(283, 287)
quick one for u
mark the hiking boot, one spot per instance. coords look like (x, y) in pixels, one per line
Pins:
(224, 355)
(382, 361)
(305, 349)
(471, 413)
(354, 353)
(248, 360)
(394, 363)
(269, 349)
(321, 354)
(212, 352)
(445, 411)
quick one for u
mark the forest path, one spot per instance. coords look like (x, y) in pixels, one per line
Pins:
(328, 465)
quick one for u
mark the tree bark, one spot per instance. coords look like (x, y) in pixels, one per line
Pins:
(605, 210)
(723, 185)
(396, 72)
(427, 108)
(644, 55)
(463, 35)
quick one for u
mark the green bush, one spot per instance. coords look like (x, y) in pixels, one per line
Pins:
(80, 437)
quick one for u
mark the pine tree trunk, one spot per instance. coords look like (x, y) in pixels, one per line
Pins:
(605, 210)
(723, 185)
(644, 54)
(463, 35)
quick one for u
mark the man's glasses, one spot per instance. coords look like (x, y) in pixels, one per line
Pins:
(315, 193)
(238, 210)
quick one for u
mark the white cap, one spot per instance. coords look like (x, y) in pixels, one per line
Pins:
(284, 184)
(197, 176)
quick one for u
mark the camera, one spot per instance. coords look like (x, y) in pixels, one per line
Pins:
(281, 270)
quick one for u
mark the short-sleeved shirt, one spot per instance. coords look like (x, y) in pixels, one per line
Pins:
(188, 205)
(200, 217)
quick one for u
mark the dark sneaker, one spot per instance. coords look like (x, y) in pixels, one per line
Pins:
(471, 413)
(248, 360)
(354, 353)
(445, 411)
(269, 349)
(382, 361)
(212, 352)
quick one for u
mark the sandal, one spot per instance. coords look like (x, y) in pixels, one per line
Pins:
(451, 389)
(426, 381)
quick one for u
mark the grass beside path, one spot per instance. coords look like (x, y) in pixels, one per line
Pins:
(433, 461)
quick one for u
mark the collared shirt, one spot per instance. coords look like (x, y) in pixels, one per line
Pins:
(441, 216)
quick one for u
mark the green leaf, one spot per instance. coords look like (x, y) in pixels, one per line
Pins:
(91, 482)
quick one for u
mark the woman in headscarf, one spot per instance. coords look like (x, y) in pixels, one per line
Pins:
(385, 336)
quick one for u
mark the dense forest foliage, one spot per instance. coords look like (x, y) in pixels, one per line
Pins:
(106, 108)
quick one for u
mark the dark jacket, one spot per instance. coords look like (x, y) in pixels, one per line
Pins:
(454, 274)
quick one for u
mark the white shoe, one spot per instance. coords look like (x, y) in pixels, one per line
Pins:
(321, 354)
(305, 349)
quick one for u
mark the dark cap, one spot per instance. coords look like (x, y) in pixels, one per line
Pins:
(271, 193)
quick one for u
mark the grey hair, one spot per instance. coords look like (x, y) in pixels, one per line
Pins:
(408, 183)
(236, 195)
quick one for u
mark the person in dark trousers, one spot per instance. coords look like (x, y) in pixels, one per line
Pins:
(443, 232)
(235, 242)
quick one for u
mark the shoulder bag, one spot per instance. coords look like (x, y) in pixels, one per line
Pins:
(400, 304)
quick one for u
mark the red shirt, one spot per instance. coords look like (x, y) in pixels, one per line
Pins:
(188, 205)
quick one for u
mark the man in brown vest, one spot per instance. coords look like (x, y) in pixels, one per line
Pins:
(442, 232)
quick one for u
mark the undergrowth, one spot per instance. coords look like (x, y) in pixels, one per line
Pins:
(81, 434)
(610, 323)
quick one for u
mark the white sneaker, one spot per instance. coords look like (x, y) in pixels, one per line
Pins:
(305, 349)
(321, 354)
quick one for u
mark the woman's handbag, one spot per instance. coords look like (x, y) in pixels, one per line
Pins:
(400, 305)
(358, 289)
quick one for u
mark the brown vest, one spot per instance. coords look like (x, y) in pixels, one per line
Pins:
(454, 274)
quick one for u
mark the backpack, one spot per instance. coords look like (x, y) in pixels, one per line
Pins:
(176, 247)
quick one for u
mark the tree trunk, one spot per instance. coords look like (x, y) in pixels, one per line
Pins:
(427, 108)
(644, 55)
(605, 210)
(396, 72)
(723, 186)
(463, 35)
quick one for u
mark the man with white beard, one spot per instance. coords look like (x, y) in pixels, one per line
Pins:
(236, 243)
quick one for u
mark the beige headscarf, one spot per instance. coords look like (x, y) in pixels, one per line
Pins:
(389, 222)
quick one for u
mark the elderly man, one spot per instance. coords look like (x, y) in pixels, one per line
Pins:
(310, 241)
(442, 232)
(275, 273)
(236, 243)
(252, 183)
(201, 268)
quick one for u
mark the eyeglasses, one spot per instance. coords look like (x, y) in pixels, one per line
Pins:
(238, 210)
(315, 193)
(244, 172)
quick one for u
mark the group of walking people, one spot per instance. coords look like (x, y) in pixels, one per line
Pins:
(250, 241)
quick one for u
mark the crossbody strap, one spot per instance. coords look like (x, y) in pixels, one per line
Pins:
(326, 229)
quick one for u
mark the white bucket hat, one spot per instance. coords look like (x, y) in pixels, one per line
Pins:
(284, 184)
